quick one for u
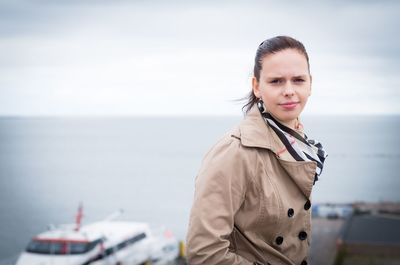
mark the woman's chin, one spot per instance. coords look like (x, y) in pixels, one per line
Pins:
(287, 119)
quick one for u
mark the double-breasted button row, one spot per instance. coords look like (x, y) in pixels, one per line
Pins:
(307, 206)
(302, 236)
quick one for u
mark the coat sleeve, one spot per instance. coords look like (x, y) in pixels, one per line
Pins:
(219, 192)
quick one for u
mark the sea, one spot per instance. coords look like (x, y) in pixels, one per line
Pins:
(146, 166)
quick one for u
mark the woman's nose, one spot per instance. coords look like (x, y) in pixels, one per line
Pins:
(288, 90)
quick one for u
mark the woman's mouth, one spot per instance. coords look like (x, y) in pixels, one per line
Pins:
(289, 105)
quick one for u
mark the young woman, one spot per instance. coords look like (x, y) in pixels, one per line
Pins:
(252, 202)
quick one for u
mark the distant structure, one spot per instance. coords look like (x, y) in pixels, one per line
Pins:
(371, 234)
(392, 208)
(332, 211)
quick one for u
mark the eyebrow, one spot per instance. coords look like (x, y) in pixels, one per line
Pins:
(280, 77)
(300, 76)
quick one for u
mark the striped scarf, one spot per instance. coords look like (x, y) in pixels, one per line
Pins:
(298, 147)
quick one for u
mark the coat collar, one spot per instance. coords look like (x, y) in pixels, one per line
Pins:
(253, 131)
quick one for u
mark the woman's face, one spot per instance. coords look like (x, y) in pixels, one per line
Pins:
(285, 85)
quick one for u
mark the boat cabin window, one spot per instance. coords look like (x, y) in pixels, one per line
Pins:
(131, 241)
(60, 247)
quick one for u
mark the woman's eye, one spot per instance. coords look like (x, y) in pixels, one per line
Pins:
(275, 81)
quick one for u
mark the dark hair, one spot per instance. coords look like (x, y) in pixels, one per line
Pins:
(270, 46)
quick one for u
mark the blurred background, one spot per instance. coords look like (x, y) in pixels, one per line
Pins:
(114, 104)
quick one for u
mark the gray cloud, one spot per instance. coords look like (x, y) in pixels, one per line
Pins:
(58, 48)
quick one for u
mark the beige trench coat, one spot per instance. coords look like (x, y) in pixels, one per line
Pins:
(250, 207)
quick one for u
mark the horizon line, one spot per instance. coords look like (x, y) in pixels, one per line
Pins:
(182, 115)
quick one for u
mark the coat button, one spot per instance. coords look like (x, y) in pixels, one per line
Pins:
(307, 205)
(302, 235)
(304, 262)
(290, 212)
(279, 240)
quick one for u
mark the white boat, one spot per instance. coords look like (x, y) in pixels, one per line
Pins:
(101, 243)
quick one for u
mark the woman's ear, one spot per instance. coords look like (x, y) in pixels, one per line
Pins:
(256, 87)
(309, 93)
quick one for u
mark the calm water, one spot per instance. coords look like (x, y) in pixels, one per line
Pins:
(147, 167)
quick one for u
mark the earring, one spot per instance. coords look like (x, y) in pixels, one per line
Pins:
(260, 105)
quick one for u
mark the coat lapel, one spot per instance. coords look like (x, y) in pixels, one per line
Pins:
(302, 173)
(253, 131)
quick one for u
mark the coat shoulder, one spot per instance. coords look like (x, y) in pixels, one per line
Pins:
(230, 143)
(229, 153)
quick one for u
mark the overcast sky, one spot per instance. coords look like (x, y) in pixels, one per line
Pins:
(190, 57)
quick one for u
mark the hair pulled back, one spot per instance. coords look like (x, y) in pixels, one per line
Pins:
(267, 47)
